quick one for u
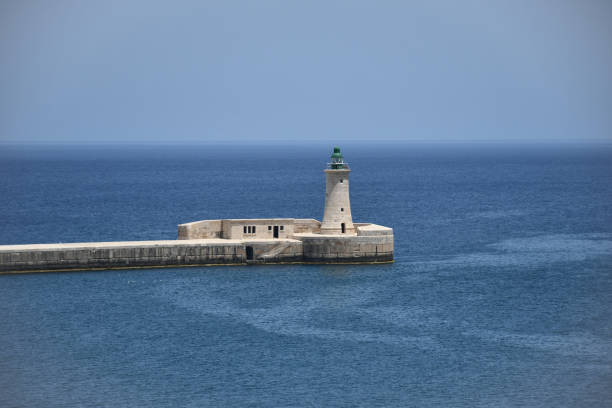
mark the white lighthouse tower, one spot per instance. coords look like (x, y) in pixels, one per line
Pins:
(337, 217)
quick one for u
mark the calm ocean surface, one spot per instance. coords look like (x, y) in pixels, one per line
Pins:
(501, 293)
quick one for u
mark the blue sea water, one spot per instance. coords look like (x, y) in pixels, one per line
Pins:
(500, 295)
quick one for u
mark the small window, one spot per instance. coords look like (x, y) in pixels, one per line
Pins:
(253, 229)
(282, 227)
(269, 228)
(342, 180)
(245, 229)
(249, 229)
(342, 209)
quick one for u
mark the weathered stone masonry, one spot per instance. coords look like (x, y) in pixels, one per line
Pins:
(108, 255)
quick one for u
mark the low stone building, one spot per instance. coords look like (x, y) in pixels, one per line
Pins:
(258, 228)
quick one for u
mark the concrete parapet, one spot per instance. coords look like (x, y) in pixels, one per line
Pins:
(106, 255)
(373, 229)
(201, 229)
(307, 225)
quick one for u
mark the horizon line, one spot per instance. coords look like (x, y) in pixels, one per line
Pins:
(289, 142)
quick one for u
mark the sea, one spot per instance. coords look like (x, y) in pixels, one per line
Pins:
(500, 294)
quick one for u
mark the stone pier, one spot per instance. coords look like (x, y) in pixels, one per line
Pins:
(228, 242)
(371, 244)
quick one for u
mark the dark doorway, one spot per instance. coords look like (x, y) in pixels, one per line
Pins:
(343, 227)
(276, 231)
(249, 253)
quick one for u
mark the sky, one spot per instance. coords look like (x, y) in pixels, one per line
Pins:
(132, 71)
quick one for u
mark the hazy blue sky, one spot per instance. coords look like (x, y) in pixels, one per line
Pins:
(198, 71)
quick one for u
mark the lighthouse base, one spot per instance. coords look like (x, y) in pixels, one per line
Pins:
(346, 248)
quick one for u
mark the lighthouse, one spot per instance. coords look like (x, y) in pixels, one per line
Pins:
(337, 217)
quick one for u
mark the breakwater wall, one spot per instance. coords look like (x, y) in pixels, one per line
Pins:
(370, 246)
(130, 254)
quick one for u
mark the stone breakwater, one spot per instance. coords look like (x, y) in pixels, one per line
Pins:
(337, 239)
(376, 246)
(108, 255)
